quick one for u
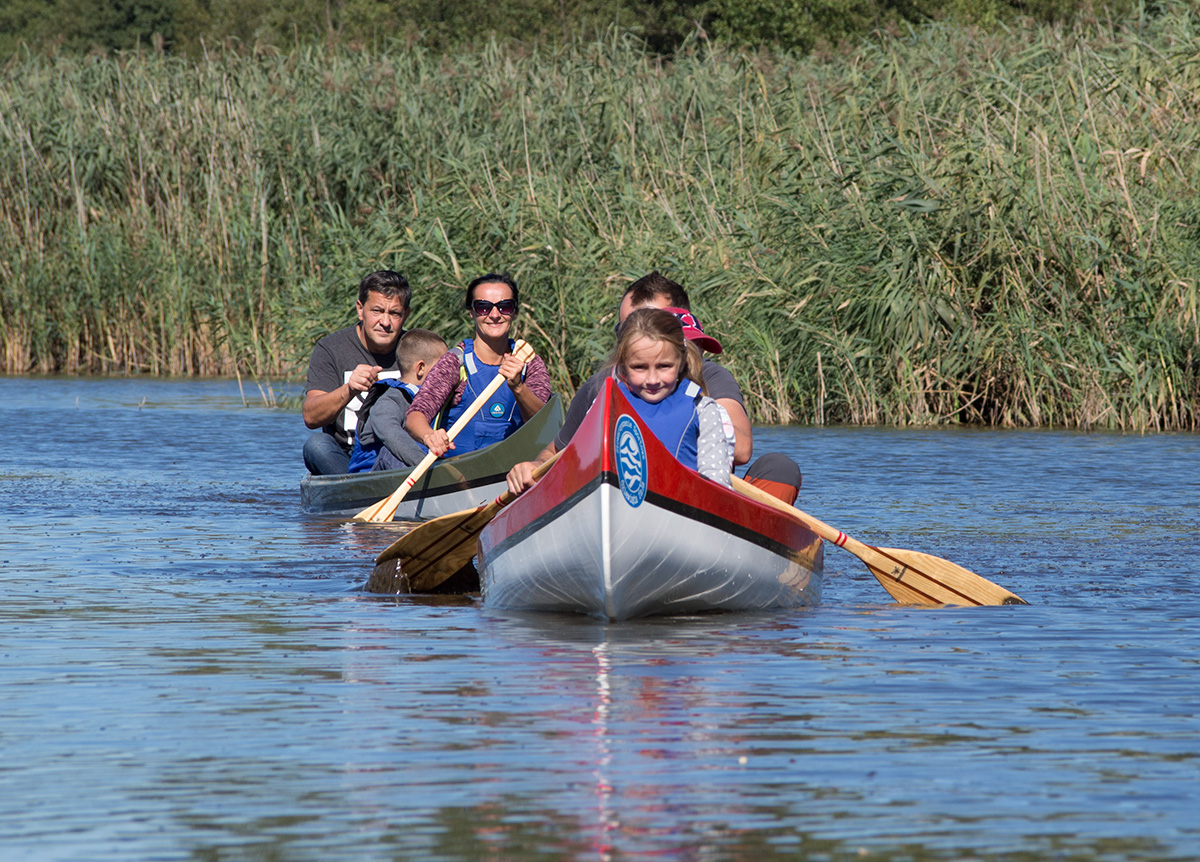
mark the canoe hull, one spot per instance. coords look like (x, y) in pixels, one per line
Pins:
(580, 541)
(451, 485)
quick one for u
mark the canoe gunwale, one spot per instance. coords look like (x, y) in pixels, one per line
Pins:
(452, 484)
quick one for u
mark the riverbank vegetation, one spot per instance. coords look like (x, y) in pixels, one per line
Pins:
(196, 27)
(983, 225)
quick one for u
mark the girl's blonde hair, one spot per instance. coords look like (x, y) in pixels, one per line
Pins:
(659, 325)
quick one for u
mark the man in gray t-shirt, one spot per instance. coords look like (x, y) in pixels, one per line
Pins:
(345, 363)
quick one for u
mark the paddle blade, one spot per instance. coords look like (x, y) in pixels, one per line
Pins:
(371, 513)
(388, 577)
(385, 508)
(913, 578)
(431, 553)
(910, 577)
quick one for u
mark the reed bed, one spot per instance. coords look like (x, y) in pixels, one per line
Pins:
(955, 226)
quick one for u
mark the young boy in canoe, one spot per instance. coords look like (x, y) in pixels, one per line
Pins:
(380, 442)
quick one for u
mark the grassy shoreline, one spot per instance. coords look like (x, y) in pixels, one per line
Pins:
(994, 228)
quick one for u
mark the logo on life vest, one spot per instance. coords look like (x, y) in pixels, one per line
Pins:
(497, 410)
(631, 461)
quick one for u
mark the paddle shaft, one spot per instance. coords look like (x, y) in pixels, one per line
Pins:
(909, 577)
(385, 509)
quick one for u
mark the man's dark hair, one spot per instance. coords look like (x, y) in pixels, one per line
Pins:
(389, 284)
(646, 288)
(491, 278)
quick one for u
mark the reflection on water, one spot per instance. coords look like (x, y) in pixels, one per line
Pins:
(189, 669)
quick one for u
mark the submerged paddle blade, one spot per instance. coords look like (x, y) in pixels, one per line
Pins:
(389, 578)
(431, 553)
(434, 552)
(386, 577)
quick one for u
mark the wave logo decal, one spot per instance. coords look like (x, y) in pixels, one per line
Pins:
(631, 461)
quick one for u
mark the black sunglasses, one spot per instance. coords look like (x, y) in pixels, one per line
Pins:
(483, 308)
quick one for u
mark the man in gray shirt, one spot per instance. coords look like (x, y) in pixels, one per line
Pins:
(345, 363)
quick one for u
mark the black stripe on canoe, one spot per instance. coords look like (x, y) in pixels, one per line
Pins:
(667, 504)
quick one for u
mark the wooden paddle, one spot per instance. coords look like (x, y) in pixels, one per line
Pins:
(426, 556)
(386, 508)
(910, 577)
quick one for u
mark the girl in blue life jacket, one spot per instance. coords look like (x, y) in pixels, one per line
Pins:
(659, 371)
(457, 378)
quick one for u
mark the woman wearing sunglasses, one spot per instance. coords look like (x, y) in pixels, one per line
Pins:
(462, 373)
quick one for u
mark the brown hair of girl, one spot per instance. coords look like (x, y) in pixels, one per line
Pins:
(659, 325)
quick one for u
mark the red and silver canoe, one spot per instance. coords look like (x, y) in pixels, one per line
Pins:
(618, 528)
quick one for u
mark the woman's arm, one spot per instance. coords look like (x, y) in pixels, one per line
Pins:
(436, 390)
(531, 391)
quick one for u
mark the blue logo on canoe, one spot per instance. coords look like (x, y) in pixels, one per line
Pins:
(631, 461)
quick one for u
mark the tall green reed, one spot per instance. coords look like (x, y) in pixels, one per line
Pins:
(952, 227)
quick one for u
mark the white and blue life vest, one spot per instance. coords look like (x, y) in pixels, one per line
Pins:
(675, 420)
(497, 419)
(348, 423)
(362, 457)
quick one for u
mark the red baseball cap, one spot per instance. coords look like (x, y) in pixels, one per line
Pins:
(693, 331)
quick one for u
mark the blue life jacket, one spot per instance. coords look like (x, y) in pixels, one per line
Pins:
(362, 456)
(497, 419)
(675, 420)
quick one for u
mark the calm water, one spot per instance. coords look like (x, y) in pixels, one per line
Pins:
(187, 669)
